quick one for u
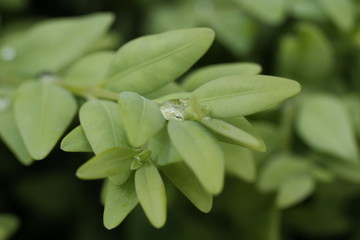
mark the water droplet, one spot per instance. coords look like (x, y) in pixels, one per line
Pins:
(175, 109)
(8, 53)
(48, 77)
(4, 104)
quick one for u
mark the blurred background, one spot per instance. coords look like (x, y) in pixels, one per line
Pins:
(315, 42)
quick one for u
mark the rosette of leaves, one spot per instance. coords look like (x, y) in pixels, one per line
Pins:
(190, 138)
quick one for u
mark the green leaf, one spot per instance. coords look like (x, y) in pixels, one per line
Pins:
(243, 136)
(53, 44)
(141, 117)
(42, 112)
(201, 153)
(239, 161)
(270, 12)
(119, 202)
(76, 141)
(209, 73)
(185, 180)
(307, 56)
(121, 178)
(155, 60)
(108, 163)
(341, 12)
(323, 123)
(294, 190)
(10, 134)
(279, 168)
(162, 151)
(90, 70)
(235, 30)
(102, 125)
(8, 225)
(151, 193)
(240, 95)
(170, 88)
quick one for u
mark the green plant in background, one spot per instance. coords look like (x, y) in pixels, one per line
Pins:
(312, 147)
(190, 136)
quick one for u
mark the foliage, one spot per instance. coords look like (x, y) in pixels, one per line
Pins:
(146, 125)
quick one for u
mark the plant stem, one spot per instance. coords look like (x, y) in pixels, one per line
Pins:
(87, 92)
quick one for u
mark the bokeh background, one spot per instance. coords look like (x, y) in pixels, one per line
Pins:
(316, 42)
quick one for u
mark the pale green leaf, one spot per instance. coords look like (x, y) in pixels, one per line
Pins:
(341, 12)
(279, 168)
(108, 163)
(9, 132)
(209, 73)
(149, 63)
(162, 150)
(243, 135)
(324, 124)
(121, 178)
(294, 189)
(271, 12)
(76, 141)
(90, 70)
(151, 194)
(52, 44)
(307, 10)
(201, 153)
(239, 161)
(170, 88)
(102, 125)
(42, 112)
(235, 30)
(240, 95)
(307, 56)
(8, 225)
(141, 117)
(119, 202)
(172, 96)
(185, 180)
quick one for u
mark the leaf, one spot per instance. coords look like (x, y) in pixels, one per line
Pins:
(53, 44)
(42, 112)
(294, 190)
(185, 180)
(151, 193)
(102, 125)
(8, 225)
(209, 73)
(108, 163)
(279, 168)
(201, 153)
(121, 178)
(76, 141)
(324, 124)
(270, 12)
(239, 161)
(235, 30)
(162, 151)
(307, 56)
(243, 136)
(90, 70)
(341, 12)
(170, 88)
(155, 60)
(119, 202)
(240, 95)
(9, 133)
(141, 117)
